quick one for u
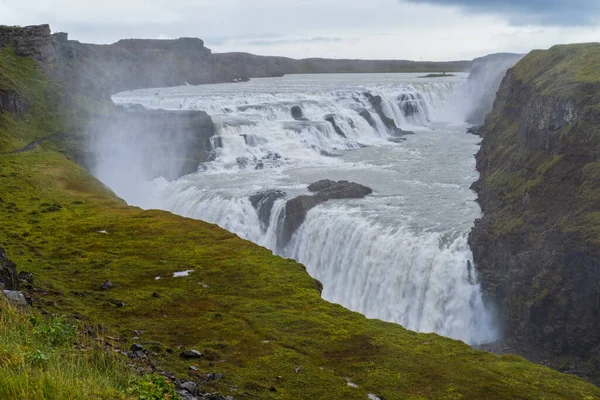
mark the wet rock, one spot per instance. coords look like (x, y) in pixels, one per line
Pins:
(321, 185)
(377, 103)
(15, 297)
(242, 162)
(368, 117)
(191, 354)
(107, 285)
(8, 272)
(298, 114)
(296, 209)
(331, 119)
(263, 204)
(409, 104)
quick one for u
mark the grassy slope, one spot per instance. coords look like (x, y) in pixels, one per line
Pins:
(254, 315)
(38, 361)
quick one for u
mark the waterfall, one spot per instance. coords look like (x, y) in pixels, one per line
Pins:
(400, 255)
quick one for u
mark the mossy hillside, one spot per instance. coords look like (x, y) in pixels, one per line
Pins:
(538, 243)
(256, 317)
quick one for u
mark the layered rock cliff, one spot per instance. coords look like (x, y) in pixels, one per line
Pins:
(537, 248)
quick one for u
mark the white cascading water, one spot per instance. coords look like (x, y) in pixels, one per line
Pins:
(401, 254)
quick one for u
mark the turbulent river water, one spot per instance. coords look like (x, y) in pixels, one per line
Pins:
(400, 254)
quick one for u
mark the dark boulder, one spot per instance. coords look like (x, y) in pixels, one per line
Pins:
(325, 190)
(298, 114)
(331, 119)
(263, 204)
(8, 272)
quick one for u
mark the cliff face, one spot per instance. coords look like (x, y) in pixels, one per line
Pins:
(484, 80)
(537, 247)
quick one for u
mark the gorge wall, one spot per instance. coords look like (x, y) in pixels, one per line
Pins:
(537, 247)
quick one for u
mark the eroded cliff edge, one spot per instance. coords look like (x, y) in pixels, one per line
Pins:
(537, 248)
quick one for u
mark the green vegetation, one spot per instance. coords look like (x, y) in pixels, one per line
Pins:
(38, 361)
(259, 319)
(522, 177)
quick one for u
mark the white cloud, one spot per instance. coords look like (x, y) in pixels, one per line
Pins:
(380, 29)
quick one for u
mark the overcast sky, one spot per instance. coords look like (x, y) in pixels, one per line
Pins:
(378, 29)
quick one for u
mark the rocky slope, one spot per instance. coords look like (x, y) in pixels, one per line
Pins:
(537, 248)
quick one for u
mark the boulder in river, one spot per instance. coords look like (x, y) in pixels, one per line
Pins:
(298, 114)
(377, 103)
(263, 204)
(325, 190)
(331, 119)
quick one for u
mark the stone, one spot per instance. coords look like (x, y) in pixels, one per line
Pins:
(296, 209)
(8, 272)
(16, 297)
(107, 285)
(191, 354)
(137, 347)
(190, 387)
(26, 277)
(298, 114)
(331, 119)
(263, 204)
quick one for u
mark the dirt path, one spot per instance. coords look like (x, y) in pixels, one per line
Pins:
(32, 145)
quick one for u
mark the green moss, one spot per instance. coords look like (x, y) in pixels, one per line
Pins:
(257, 317)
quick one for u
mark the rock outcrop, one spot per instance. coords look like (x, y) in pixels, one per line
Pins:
(263, 204)
(8, 273)
(377, 104)
(13, 102)
(537, 248)
(325, 190)
(170, 143)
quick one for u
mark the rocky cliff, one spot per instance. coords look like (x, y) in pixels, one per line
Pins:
(142, 63)
(537, 248)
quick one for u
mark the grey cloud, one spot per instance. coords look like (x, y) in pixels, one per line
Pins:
(531, 12)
